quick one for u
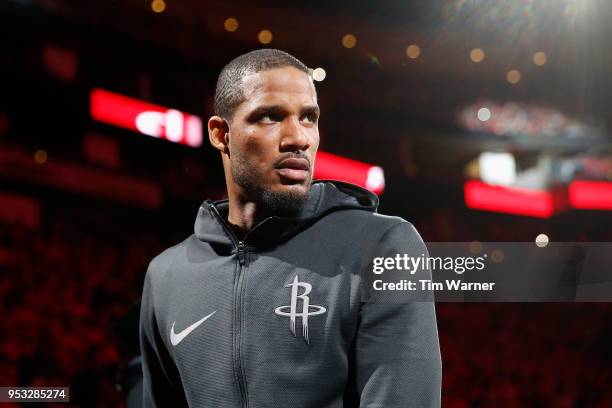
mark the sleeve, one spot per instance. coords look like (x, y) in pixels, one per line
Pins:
(161, 381)
(397, 352)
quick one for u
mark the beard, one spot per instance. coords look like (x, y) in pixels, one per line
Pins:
(278, 203)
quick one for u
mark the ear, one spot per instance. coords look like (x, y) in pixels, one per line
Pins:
(218, 133)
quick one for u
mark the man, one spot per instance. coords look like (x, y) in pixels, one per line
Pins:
(266, 304)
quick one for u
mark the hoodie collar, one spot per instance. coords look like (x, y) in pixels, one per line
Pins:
(326, 196)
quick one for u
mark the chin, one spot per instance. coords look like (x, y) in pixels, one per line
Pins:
(286, 199)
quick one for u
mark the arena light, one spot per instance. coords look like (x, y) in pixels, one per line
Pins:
(542, 240)
(158, 6)
(540, 58)
(146, 118)
(40, 156)
(319, 74)
(512, 200)
(477, 55)
(497, 168)
(230, 24)
(483, 114)
(513, 76)
(265, 36)
(590, 195)
(349, 41)
(413, 51)
(330, 166)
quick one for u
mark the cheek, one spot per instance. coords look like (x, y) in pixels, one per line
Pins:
(259, 148)
(314, 140)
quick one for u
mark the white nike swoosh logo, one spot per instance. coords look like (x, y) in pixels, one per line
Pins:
(176, 338)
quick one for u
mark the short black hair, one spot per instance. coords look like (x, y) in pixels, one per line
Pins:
(229, 94)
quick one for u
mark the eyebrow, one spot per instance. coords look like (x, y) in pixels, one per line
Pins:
(311, 109)
(278, 109)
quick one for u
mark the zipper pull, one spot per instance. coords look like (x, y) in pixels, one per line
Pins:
(242, 253)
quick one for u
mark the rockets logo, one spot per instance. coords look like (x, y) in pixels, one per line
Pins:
(307, 308)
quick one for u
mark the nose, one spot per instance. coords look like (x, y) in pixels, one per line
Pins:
(294, 136)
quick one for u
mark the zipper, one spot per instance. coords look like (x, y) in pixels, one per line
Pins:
(243, 262)
(238, 289)
(241, 250)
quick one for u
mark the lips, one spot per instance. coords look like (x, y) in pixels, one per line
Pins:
(294, 169)
(298, 164)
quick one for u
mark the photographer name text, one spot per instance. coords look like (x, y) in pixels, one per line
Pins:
(429, 285)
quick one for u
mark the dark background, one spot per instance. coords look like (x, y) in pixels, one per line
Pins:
(72, 259)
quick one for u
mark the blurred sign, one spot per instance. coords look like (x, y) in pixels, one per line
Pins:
(330, 166)
(591, 194)
(514, 200)
(497, 168)
(579, 194)
(146, 118)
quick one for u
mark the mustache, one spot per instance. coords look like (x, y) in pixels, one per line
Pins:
(293, 155)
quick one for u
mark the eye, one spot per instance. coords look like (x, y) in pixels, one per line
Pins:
(270, 117)
(311, 117)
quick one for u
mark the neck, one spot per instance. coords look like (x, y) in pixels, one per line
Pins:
(244, 215)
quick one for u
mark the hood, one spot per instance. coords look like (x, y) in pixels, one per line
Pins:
(326, 196)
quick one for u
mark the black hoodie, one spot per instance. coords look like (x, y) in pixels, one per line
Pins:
(279, 319)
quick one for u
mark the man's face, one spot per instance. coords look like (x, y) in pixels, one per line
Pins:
(274, 137)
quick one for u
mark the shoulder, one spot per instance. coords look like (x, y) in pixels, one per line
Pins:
(375, 225)
(162, 264)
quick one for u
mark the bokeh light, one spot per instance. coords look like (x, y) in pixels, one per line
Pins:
(497, 256)
(513, 76)
(40, 156)
(349, 41)
(158, 6)
(477, 55)
(413, 51)
(484, 114)
(265, 36)
(540, 58)
(475, 247)
(319, 74)
(230, 24)
(542, 240)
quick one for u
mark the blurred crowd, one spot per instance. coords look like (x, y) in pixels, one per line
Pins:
(526, 354)
(62, 290)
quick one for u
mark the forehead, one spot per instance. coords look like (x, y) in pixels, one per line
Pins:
(286, 85)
